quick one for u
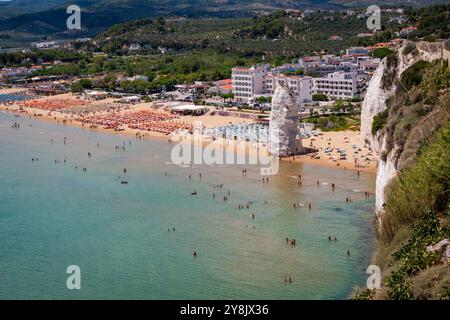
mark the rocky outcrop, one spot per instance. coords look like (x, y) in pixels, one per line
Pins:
(283, 129)
(386, 170)
(380, 89)
(442, 247)
(373, 104)
(383, 86)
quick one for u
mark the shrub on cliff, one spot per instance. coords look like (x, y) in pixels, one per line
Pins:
(413, 75)
(421, 187)
(379, 121)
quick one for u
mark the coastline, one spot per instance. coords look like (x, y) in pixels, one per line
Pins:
(341, 139)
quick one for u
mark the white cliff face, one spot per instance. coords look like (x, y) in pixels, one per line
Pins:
(375, 102)
(283, 128)
(386, 170)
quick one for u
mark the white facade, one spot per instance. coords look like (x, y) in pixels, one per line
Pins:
(338, 85)
(248, 82)
(300, 86)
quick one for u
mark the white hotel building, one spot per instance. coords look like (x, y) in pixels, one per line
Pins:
(300, 86)
(249, 82)
(338, 85)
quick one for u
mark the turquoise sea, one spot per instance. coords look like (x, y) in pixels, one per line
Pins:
(53, 216)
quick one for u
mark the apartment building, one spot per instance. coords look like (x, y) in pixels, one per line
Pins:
(248, 82)
(300, 86)
(327, 64)
(338, 85)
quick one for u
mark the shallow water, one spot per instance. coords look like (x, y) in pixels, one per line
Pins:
(13, 97)
(53, 216)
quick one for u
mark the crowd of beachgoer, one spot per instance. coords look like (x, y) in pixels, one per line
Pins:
(147, 120)
(96, 108)
(53, 104)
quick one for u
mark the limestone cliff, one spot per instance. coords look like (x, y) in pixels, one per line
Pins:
(284, 119)
(384, 86)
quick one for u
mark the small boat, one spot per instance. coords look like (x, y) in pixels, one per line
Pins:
(124, 182)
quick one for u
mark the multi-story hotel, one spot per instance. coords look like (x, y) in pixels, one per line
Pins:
(340, 77)
(338, 85)
(248, 82)
(300, 86)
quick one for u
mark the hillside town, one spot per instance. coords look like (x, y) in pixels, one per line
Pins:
(335, 76)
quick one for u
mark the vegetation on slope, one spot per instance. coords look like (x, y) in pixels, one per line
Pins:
(420, 106)
(419, 197)
(416, 213)
(416, 216)
(274, 35)
(433, 22)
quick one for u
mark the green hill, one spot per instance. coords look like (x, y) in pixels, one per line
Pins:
(48, 17)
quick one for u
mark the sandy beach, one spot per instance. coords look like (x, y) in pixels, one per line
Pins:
(348, 140)
(343, 140)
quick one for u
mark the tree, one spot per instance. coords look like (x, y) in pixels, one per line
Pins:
(382, 52)
(81, 84)
(320, 97)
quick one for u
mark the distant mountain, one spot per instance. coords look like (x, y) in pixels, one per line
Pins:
(24, 15)
(13, 8)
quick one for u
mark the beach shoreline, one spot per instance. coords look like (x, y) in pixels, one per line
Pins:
(340, 140)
